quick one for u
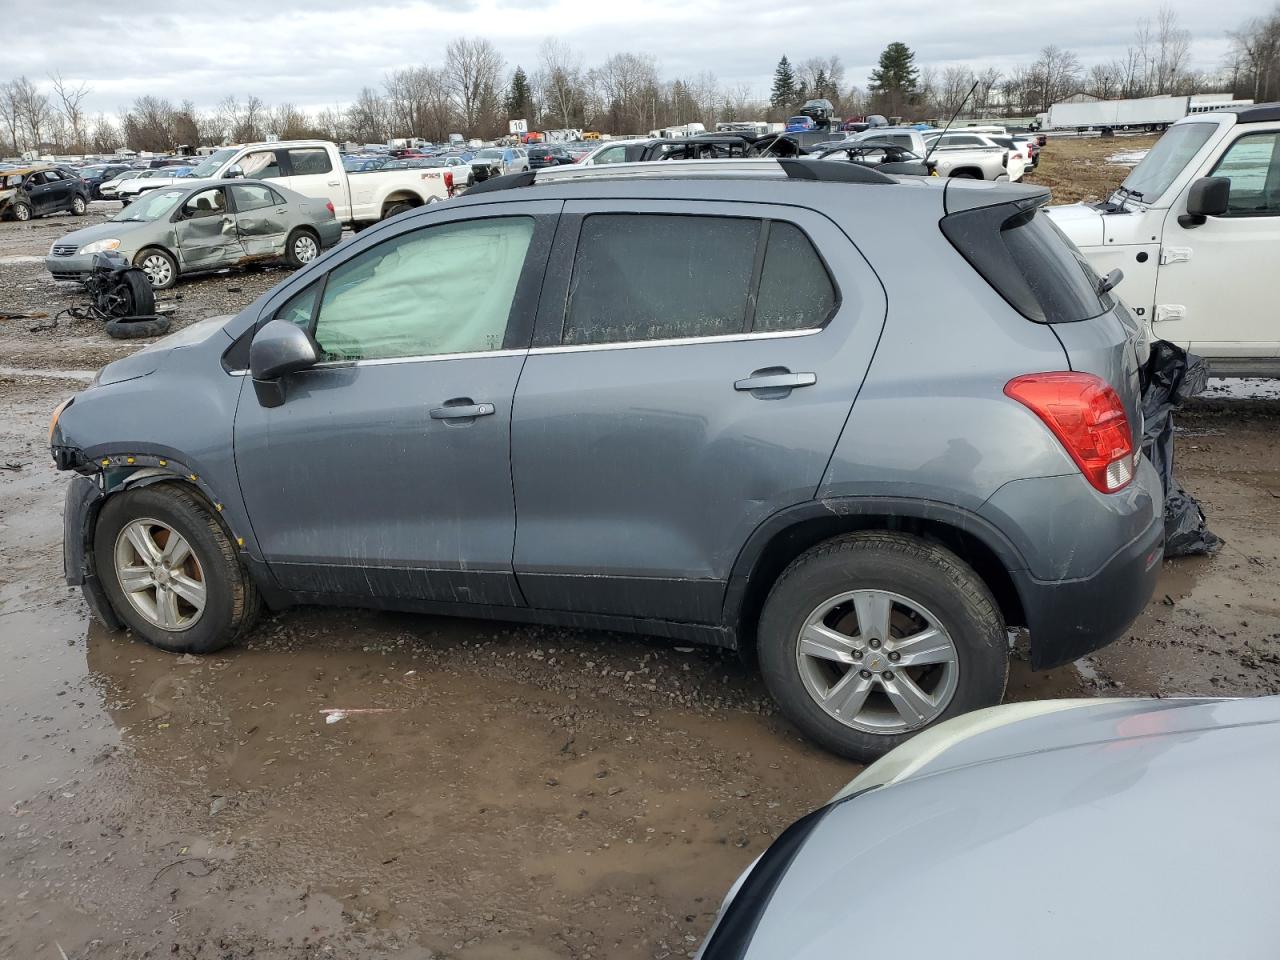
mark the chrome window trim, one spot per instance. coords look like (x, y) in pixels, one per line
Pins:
(427, 358)
(383, 361)
(678, 341)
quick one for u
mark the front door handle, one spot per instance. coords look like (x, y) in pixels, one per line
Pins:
(774, 383)
(335, 183)
(462, 408)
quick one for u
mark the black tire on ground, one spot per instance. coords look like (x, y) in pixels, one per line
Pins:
(396, 208)
(290, 247)
(906, 565)
(232, 603)
(133, 329)
(79, 207)
(967, 175)
(142, 256)
(21, 210)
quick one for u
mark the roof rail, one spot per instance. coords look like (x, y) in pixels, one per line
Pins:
(825, 171)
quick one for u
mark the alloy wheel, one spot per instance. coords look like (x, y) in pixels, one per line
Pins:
(160, 575)
(877, 661)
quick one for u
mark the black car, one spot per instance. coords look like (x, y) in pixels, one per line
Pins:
(98, 174)
(548, 157)
(35, 191)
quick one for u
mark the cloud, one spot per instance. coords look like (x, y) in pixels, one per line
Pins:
(321, 52)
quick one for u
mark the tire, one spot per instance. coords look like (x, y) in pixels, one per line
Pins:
(159, 266)
(925, 586)
(396, 209)
(21, 211)
(79, 207)
(133, 329)
(301, 248)
(231, 601)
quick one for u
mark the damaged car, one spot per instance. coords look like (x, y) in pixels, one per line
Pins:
(695, 399)
(179, 230)
(27, 192)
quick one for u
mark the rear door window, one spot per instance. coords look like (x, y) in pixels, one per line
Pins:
(660, 277)
(309, 161)
(253, 196)
(639, 277)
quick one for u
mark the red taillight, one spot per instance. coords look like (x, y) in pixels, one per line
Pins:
(1086, 415)
(329, 206)
(448, 180)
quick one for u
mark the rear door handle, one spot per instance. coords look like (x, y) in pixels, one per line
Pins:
(775, 378)
(462, 409)
(335, 183)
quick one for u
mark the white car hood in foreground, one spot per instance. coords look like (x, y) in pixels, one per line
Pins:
(1080, 222)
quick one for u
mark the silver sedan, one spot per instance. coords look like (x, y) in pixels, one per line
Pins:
(201, 226)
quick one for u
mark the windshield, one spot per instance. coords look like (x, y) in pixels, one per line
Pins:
(150, 206)
(1168, 158)
(209, 166)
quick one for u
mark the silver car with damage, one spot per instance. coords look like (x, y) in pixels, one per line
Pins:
(1059, 829)
(186, 229)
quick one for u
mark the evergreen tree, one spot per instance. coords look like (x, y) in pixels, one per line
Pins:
(519, 101)
(893, 82)
(821, 86)
(783, 94)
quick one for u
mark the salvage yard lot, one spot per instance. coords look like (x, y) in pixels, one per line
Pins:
(360, 784)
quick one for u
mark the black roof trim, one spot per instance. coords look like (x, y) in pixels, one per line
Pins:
(1257, 113)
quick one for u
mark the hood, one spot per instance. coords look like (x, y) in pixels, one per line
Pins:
(149, 358)
(1080, 222)
(1105, 841)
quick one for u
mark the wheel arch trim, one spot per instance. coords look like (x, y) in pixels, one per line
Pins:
(771, 530)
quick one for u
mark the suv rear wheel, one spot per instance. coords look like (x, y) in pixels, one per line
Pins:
(170, 570)
(869, 638)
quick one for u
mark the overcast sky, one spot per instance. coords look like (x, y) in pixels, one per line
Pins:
(320, 52)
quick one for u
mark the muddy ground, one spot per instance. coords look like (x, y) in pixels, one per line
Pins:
(1087, 168)
(361, 785)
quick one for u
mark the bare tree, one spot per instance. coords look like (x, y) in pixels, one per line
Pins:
(70, 96)
(954, 87)
(11, 114)
(1173, 47)
(1056, 75)
(367, 118)
(559, 81)
(33, 109)
(1256, 47)
(473, 67)
(1103, 81)
(105, 137)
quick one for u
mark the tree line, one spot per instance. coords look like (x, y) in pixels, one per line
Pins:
(473, 92)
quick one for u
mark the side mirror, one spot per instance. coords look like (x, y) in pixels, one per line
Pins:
(278, 349)
(1208, 197)
(233, 171)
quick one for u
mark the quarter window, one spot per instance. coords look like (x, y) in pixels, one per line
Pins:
(1253, 166)
(309, 161)
(436, 291)
(796, 292)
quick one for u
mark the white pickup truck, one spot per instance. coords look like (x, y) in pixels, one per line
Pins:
(1195, 228)
(314, 168)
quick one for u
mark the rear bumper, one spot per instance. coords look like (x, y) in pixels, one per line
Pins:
(330, 233)
(1070, 618)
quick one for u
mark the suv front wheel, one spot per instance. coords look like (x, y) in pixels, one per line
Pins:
(170, 570)
(869, 638)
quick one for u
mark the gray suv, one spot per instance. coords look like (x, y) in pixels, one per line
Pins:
(853, 426)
